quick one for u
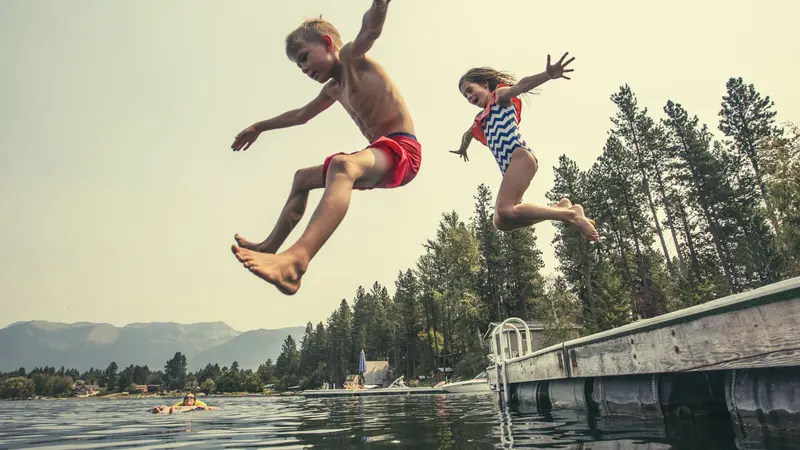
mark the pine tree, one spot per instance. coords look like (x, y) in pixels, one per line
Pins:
(636, 130)
(110, 375)
(306, 353)
(571, 249)
(426, 273)
(522, 263)
(175, 371)
(407, 302)
(340, 341)
(745, 245)
(287, 365)
(560, 311)
(749, 119)
(612, 305)
(615, 177)
(665, 193)
(455, 262)
(781, 167)
(698, 173)
(381, 329)
(489, 277)
(320, 349)
(363, 312)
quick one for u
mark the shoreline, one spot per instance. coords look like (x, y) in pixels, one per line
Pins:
(119, 396)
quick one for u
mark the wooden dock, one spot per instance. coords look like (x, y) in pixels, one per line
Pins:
(739, 355)
(758, 328)
(320, 393)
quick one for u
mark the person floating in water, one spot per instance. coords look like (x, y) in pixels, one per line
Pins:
(392, 158)
(189, 403)
(497, 126)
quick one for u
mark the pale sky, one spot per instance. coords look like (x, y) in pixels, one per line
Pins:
(120, 195)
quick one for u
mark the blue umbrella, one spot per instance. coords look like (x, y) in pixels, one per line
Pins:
(362, 362)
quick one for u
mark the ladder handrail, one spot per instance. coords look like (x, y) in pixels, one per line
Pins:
(501, 328)
(499, 358)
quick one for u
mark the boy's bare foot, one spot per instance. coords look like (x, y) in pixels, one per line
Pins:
(584, 224)
(284, 271)
(262, 247)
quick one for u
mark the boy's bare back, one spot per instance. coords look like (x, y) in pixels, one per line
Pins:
(369, 96)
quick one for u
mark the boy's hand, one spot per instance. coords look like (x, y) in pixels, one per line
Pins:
(245, 138)
(557, 70)
(462, 153)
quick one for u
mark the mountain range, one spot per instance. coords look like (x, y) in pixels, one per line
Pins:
(83, 345)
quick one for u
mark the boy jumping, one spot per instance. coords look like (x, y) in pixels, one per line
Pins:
(369, 96)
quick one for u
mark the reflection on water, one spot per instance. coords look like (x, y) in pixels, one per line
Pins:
(467, 421)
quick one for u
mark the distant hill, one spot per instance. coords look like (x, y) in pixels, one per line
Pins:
(250, 349)
(83, 345)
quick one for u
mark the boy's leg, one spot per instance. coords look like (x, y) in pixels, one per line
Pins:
(510, 214)
(305, 180)
(367, 168)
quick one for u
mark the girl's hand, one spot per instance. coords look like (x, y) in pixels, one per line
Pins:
(557, 70)
(462, 152)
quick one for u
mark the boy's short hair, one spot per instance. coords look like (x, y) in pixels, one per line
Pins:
(311, 32)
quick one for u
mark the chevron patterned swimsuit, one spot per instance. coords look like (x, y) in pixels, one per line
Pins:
(502, 134)
(497, 127)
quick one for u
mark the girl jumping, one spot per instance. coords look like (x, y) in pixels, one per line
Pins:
(497, 127)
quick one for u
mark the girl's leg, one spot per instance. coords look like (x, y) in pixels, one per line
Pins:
(511, 214)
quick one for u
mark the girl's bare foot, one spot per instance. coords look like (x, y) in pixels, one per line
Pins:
(263, 247)
(584, 224)
(284, 271)
(564, 203)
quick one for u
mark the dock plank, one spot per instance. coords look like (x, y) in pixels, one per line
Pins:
(738, 336)
(542, 365)
(776, 292)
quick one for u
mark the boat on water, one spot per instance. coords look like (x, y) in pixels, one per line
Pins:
(480, 383)
(398, 387)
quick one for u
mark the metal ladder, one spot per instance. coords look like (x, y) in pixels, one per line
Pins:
(503, 345)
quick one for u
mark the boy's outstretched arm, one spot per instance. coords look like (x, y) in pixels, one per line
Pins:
(371, 28)
(291, 118)
(551, 72)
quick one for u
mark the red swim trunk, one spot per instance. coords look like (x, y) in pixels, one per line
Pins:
(406, 152)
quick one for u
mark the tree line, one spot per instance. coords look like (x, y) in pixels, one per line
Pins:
(49, 382)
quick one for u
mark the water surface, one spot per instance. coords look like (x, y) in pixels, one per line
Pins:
(466, 421)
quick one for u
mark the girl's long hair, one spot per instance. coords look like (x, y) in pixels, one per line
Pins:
(489, 76)
(486, 75)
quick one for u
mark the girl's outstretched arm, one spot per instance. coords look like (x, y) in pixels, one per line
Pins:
(551, 72)
(465, 141)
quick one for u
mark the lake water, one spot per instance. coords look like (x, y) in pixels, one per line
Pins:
(466, 421)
